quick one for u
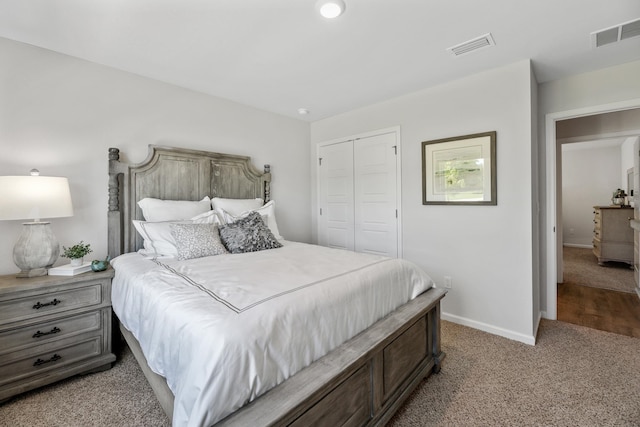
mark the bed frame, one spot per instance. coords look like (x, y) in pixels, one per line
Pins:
(363, 382)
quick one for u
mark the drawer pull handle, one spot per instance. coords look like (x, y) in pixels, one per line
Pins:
(55, 301)
(39, 334)
(54, 358)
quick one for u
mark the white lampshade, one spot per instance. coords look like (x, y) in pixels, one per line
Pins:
(34, 198)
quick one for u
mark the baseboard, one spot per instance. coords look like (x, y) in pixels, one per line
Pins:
(512, 335)
(576, 245)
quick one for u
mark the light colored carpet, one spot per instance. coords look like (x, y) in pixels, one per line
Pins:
(120, 396)
(581, 268)
(574, 376)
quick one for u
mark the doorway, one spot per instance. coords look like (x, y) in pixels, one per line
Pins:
(554, 232)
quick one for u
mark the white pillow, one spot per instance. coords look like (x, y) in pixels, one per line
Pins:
(268, 211)
(172, 210)
(158, 240)
(210, 217)
(235, 206)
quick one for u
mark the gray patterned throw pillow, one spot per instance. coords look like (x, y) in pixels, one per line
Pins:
(249, 234)
(197, 240)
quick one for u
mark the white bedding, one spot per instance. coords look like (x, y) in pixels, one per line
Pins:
(225, 329)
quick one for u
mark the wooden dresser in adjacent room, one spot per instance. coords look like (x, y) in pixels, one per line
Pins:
(612, 234)
(52, 327)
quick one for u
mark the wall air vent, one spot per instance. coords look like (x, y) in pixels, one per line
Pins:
(472, 45)
(616, 33)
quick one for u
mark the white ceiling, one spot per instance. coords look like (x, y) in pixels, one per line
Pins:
(280, 55)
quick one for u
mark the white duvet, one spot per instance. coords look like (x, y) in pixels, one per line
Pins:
(223, 330)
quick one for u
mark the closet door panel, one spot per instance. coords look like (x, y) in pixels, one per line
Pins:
(375, 195)
(336, 219)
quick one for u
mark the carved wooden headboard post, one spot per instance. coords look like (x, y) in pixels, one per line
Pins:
(115, 219)
(175, 174)
(267, 183)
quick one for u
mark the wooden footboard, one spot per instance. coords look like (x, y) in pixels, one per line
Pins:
(364, 381)
(361, 383)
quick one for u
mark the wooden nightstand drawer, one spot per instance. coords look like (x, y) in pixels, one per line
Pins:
(40, 333)
(25, 307)
(53, 327)
(20, 364)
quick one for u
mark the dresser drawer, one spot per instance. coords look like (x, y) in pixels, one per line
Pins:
(44, 332)
(596, 247)
(28, 306)
(20, 364)
(617, 252)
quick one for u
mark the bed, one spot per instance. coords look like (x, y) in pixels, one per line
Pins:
(355, 371)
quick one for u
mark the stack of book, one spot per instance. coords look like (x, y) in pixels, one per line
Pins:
(69, 270)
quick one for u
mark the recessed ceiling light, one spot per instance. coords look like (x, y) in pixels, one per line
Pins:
(303, 111)
(331, 8)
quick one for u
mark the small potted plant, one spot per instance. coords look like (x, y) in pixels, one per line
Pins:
(77, 252)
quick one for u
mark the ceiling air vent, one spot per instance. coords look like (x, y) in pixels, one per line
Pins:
(472, 45)
(615, 34)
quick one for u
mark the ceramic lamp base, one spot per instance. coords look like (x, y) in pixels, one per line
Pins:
(36, 249)
(34, 272)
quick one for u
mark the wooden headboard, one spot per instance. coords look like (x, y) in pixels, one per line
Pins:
(174, 174)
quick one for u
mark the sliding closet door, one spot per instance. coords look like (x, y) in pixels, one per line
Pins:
(375, 188)
(358, 194)
(335, 179)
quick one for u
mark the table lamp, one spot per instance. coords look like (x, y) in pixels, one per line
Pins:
(35, 197)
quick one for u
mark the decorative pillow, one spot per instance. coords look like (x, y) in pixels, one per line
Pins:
(249, 234)
(235, 206)
(268, 211)
(158, 240)
(197, 240)
(172, 210)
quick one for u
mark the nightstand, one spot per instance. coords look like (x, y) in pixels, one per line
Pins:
(53, 327)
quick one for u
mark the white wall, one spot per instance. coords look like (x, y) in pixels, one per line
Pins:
(601, 88)
(617, 124)
(60, 114)
(487, 250)
(589, 177)
(627, 154)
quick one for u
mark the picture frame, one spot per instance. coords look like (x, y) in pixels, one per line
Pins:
(460, 170)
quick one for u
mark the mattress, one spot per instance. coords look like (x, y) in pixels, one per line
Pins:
(223, 330)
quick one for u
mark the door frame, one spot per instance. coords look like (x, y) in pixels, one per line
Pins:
(553, 214)
(395, 130)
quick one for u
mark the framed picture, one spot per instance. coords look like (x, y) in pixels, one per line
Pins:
(460, 170)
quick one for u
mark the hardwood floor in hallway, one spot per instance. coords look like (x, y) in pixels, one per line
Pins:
(603, 309)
